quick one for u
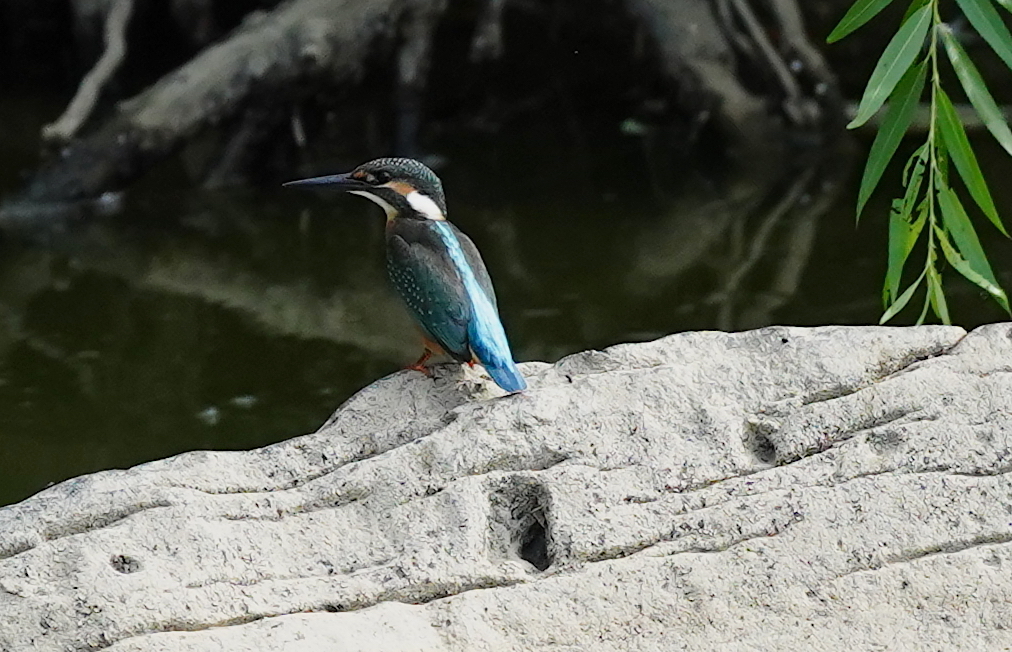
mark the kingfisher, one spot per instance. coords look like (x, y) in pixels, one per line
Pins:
(435, 267)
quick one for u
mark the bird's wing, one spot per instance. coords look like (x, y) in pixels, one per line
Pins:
(430, 284)
(485, 333)
(476, 263)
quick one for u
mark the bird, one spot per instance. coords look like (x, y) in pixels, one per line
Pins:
(435, 267)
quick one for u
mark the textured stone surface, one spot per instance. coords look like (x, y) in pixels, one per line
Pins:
(787, 488)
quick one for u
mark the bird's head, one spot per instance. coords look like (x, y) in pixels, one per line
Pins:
(403, 187)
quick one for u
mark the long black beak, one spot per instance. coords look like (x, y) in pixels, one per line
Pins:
(335, 181)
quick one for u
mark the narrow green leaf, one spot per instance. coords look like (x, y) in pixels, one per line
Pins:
(989, 25)
(958, 147)
(919, 153)
(903, 235)
(962, 266)
(913, 176)
(976, 90)
(937, 295)
(914, 6)
(958, 225)
(901, 303)
(903, 230)
(897, 119)
(860, 13)
(942, 160)
(899, 237)
(897, 57)
(1005, 3)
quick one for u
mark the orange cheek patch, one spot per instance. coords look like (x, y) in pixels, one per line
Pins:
(399, 186)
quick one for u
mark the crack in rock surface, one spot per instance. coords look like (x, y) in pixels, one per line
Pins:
(812, 488)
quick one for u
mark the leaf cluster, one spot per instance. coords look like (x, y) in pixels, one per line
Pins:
(930, 206)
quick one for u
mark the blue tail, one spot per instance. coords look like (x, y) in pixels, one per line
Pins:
(493, 352)
(507, 376)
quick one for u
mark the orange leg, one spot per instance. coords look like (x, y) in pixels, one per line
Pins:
(431, 348)
(419, 365)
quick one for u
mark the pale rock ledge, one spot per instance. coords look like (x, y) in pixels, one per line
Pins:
(783, 489)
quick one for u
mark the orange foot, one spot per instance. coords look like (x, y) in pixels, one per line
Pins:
(419, 365)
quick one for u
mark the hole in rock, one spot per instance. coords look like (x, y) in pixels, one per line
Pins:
(125, 564)
(761, 447)
(534, 547)
(521, 526)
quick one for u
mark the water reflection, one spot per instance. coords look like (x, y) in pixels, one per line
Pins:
(217, 320)
(231, 320)
(753, 239)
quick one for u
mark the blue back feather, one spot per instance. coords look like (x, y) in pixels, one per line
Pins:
(485, 332)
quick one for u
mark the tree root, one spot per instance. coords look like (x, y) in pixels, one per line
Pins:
(413, 64)
(487, 44)
(263, 57)
(264, 62)
(117, 17)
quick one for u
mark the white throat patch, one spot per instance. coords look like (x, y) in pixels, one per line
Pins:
(424, 205)
(390, 210)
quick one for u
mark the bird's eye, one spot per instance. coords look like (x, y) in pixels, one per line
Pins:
(381, 176)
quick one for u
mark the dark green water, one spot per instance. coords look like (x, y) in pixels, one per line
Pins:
(191, 319)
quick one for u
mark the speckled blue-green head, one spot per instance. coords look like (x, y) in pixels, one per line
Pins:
(403, 187)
